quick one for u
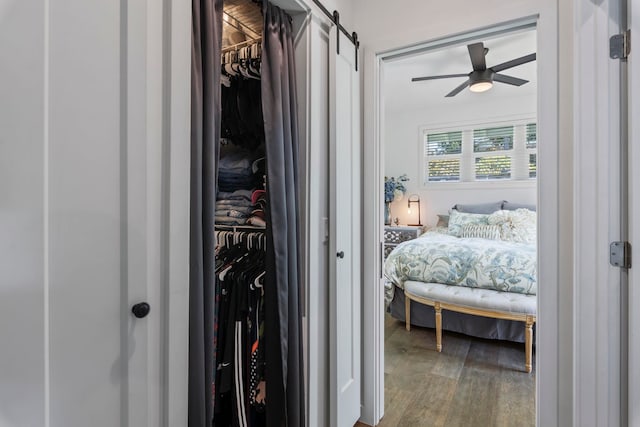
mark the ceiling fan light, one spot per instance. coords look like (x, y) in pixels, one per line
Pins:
(480, 86)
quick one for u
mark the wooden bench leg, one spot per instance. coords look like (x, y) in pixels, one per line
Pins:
(407, 311)
(438, 310)
(528, 343)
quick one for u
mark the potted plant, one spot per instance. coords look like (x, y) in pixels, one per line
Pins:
(394, 190)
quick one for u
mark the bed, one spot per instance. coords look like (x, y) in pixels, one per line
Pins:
(480, 270)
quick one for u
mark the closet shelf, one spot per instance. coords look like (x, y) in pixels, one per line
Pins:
(242, 22)
(238, 25)
(234, 228)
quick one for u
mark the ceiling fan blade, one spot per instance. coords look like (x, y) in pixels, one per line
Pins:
(514, 62)
(457, 90)
(444, 76)
(476, 52)
(503, 78)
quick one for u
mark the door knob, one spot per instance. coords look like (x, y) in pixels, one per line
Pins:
(141, 310)
(340, 254)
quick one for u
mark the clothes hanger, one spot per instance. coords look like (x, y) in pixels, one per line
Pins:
(257, 283)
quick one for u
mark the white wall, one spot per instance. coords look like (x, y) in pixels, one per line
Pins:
(403, 155)
(22, 362)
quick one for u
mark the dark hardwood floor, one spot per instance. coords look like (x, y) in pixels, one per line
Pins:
(473, 382)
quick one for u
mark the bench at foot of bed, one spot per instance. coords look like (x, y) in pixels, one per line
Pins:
(475, 301)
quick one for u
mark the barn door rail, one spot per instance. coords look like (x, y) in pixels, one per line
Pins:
(335, 18)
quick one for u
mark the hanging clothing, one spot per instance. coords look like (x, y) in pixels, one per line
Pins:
(257, 299)
(240, 368)
(242, 111)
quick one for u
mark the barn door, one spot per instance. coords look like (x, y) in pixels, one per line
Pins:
(345, 229)
(78, 219)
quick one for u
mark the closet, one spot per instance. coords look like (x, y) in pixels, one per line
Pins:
(240, 223)
(252, 366)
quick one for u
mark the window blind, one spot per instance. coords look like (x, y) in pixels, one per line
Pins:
(438, 144)
(444, 170)
(493, 139)
(491, 153)
(493, 167)
(442, 156)
(533, 165)
(532, 135)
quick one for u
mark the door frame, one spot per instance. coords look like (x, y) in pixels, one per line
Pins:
(170, 45)
(578, 363)
(633, 91)
(173, 51)
(598, 293)
(633, 14)
(551, 351)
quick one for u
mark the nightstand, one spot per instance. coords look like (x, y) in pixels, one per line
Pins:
(395, 234)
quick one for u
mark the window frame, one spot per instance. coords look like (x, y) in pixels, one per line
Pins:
(469, 155)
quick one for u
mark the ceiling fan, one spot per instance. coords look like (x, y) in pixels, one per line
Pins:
(482, 78)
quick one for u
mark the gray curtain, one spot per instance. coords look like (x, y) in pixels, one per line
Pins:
(283, 317)
(206, 46)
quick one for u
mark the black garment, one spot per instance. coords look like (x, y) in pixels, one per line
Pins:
(238, 332)
(242, 121)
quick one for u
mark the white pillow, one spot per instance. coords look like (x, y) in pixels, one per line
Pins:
(482, 231)
(457, 220)
(515, 226)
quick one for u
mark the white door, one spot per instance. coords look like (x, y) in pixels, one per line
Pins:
(345, 224)
(77, 217)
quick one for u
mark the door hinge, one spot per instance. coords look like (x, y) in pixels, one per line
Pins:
(620, 254)
(620, 45)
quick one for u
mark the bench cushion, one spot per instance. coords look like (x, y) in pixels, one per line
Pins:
(473, 297)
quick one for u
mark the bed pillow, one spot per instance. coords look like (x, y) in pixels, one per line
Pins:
(481, 231)
(443, 221)
(508, 206)
(457, 220)
(480, 208)
(515, 226)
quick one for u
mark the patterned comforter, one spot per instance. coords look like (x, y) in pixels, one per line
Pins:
(476, 263)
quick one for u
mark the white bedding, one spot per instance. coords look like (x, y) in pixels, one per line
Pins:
(469, 262)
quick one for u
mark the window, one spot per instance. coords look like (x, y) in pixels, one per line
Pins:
(532, 145)
(532, 165)
(481, 153)
(442, 154)
(532, 135)
(491, 141)
(493, 167)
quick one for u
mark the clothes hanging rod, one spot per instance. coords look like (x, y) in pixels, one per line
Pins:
(239, 228)
(335, 18)
(237, 45)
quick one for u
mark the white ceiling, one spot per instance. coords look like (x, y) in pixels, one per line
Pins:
(402, 94)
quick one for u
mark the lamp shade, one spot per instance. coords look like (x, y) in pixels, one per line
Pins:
(414, 199)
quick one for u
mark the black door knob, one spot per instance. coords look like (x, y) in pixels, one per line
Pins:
(340, 254)
(141, 310)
